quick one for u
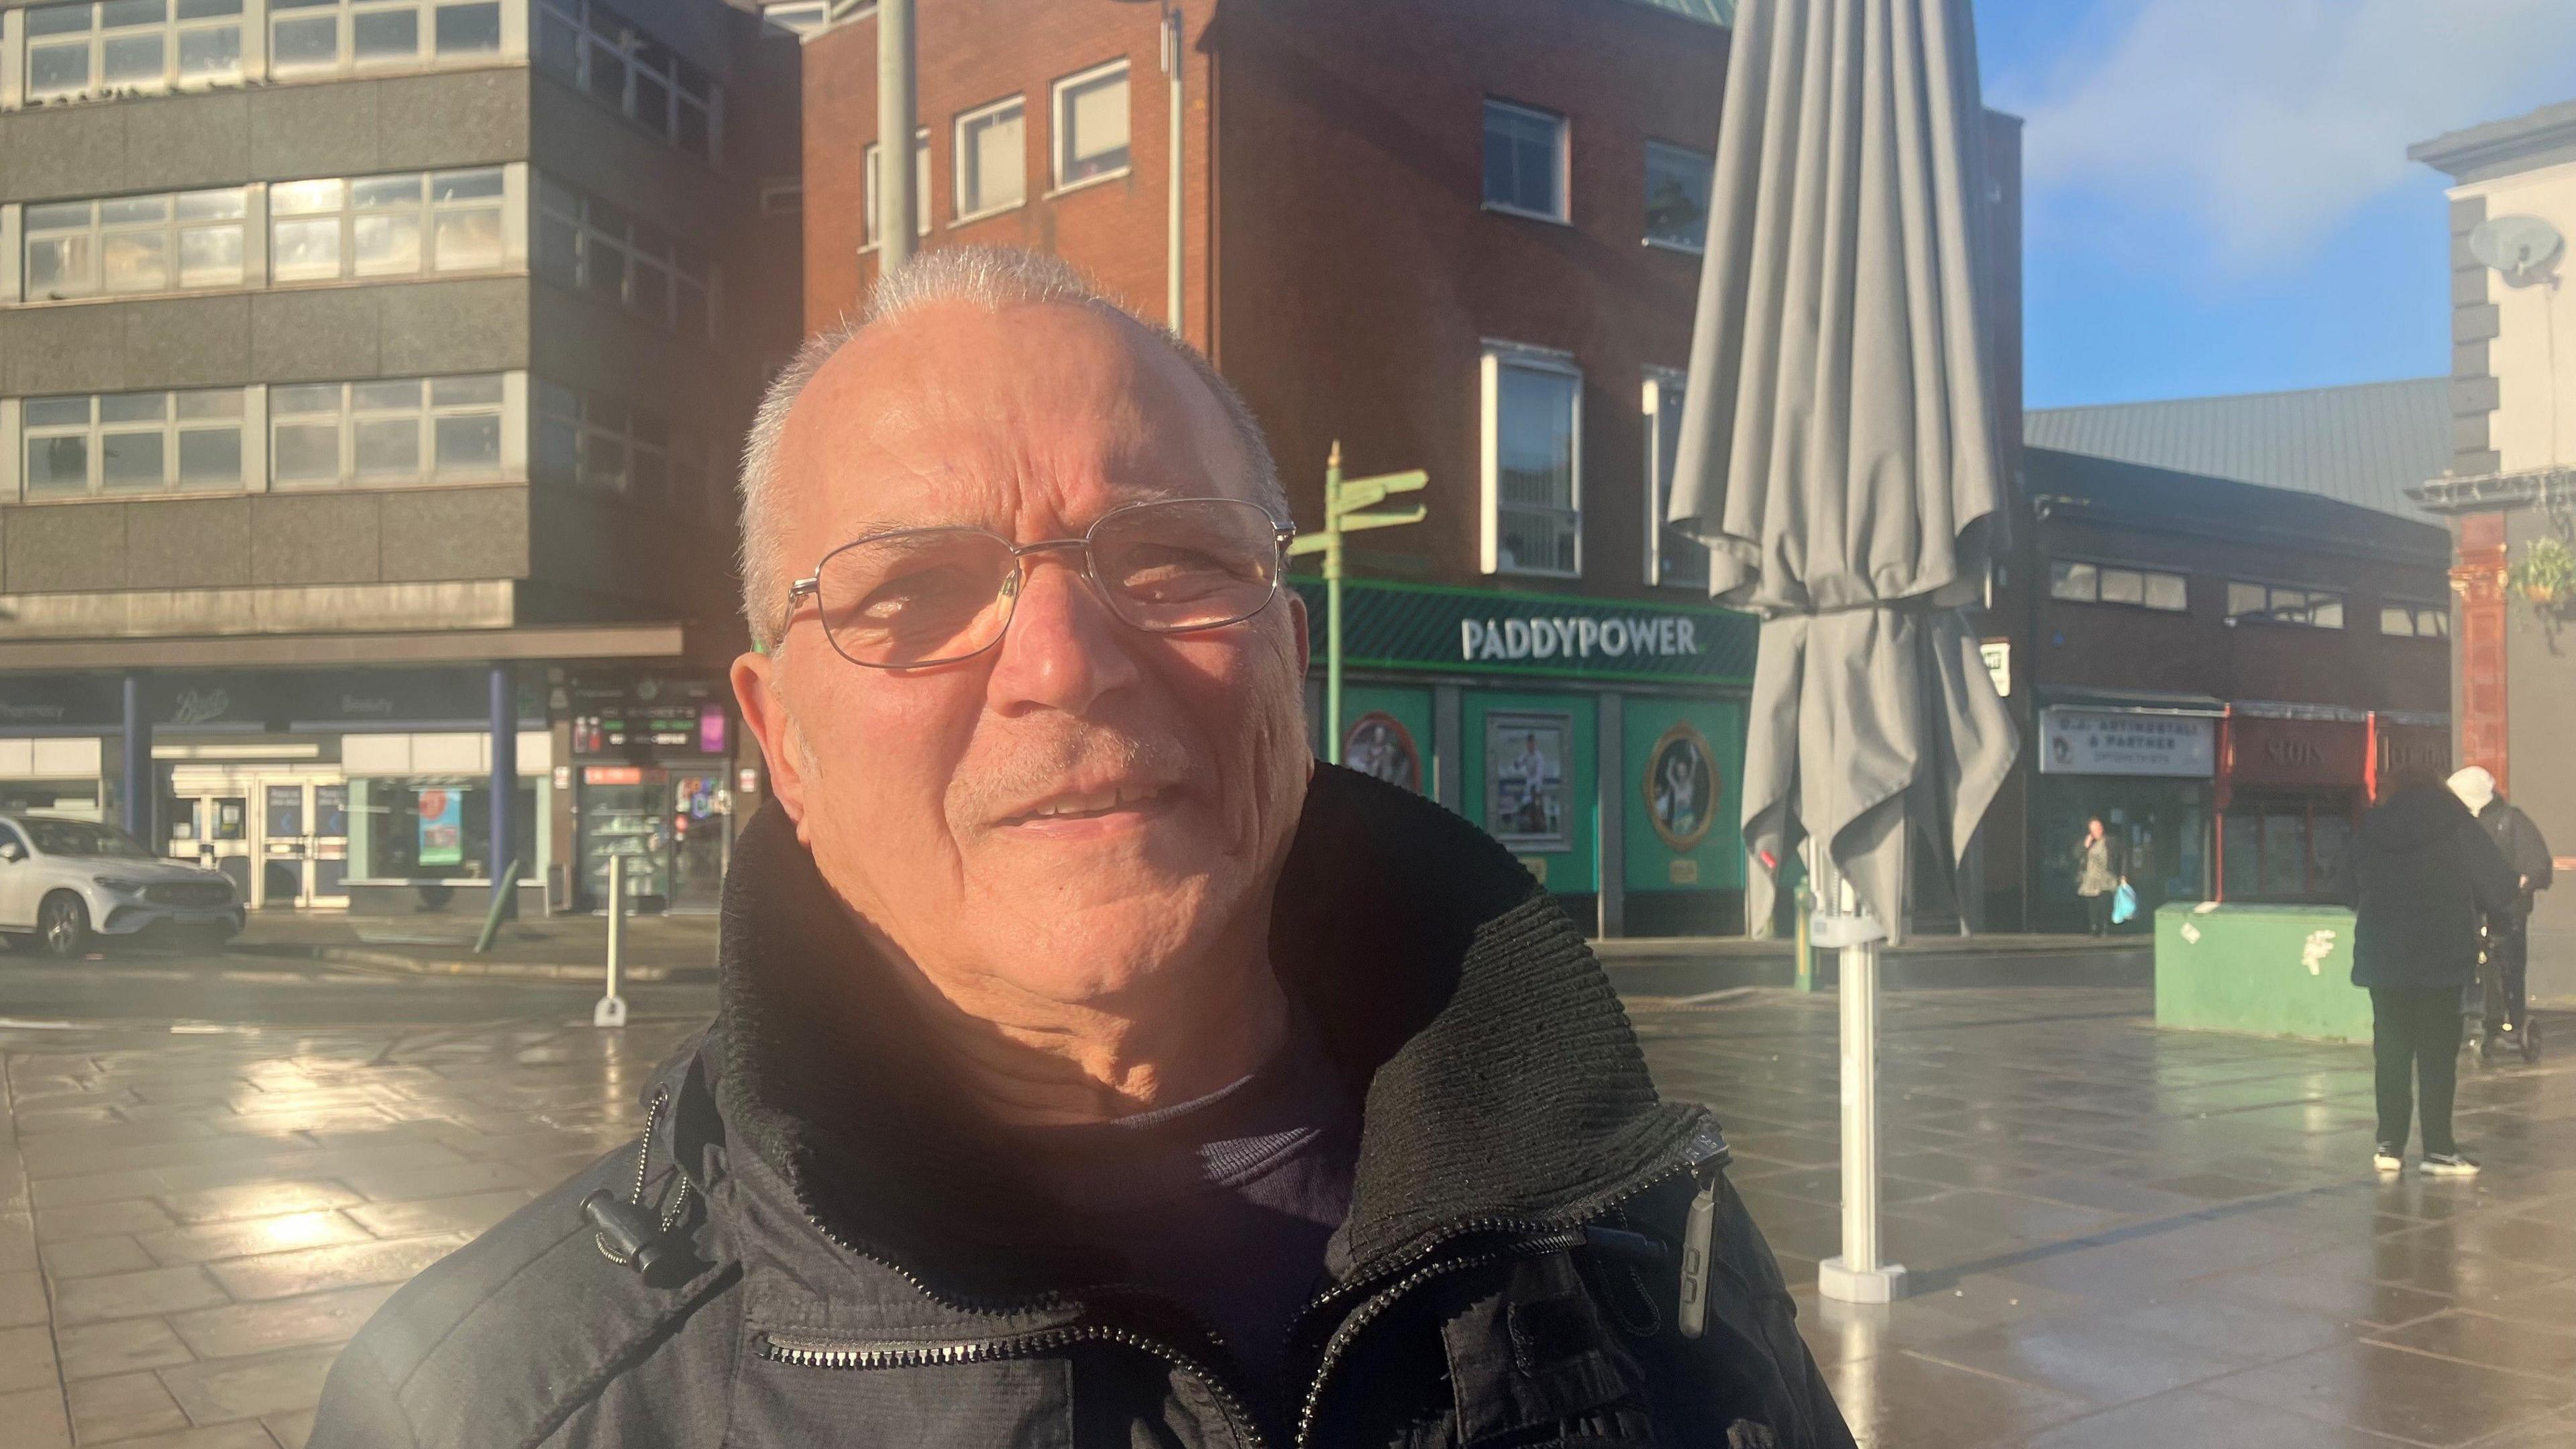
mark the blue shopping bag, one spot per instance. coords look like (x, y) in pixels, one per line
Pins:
(2124, 903)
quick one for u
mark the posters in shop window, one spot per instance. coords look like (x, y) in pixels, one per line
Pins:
(1682, 787)
(1525, 756)
(1379, 746)
(442, 827)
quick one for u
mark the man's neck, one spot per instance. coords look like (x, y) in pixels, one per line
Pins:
(1031, 1062)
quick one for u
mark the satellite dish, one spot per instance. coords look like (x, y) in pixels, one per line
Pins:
(2521, 247)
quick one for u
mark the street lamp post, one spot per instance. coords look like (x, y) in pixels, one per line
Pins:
(1349, 506)
(896, 205)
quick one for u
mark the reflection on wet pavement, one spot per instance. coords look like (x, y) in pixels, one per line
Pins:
(2118, 1236)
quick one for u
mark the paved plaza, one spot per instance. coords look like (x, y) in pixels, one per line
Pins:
(2118, 1236)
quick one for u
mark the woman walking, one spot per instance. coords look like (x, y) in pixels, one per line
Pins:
(2424, 875)
(2098, 875)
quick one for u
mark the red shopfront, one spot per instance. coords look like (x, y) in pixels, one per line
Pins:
(2291, 788)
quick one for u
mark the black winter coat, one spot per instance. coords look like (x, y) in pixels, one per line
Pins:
(2524, 848)
(2423, 876)
(843, 1267)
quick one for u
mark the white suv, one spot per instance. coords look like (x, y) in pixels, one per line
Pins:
(66, 883)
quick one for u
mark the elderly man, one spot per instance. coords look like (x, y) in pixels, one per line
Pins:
(1091, 1066)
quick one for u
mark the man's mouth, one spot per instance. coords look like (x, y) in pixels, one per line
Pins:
(1134, 798)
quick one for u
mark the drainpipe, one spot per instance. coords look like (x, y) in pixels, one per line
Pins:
(1173, 56)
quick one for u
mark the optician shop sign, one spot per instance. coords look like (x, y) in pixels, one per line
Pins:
(2115, 742)
(1489, 631)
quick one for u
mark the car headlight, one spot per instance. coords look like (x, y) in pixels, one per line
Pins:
(119, 884)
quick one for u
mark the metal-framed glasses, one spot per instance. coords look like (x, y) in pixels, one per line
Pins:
(917, 597)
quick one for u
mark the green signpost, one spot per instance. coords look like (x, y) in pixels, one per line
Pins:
(1349, 506)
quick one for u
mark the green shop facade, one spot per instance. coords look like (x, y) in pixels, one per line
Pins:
(1601, 740)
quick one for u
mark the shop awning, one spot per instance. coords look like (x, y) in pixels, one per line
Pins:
(551, 642)
(2136, 701)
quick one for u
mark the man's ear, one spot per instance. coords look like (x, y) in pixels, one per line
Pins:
(755, 689)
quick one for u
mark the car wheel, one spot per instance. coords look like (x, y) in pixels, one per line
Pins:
(62, 927)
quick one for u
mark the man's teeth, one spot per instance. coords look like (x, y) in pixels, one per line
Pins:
(1095, 802)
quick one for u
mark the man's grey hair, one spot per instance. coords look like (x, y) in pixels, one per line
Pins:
(991, 277)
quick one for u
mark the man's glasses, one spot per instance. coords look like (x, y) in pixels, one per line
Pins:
(924, 596)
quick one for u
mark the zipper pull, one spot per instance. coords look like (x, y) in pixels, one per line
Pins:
(1698, 1239)
(625, 1233)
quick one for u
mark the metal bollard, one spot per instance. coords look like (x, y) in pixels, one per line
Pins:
(611, 1010)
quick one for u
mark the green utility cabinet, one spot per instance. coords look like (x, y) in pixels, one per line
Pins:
(2262, 970)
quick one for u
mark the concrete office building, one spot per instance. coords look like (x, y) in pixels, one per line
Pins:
(370, 379)
(2509, 489)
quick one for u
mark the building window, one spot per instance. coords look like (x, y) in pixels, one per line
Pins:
(131, 45)
(782, 196)
(920, 186)
(309, 37)
(1533, 456)
(604, 446)
(2077, 582)
(797, 17)
(1525, 161)
(588, 245)
(600, 54)
(2285, 846)
(2272, 604)
(402, 430)
(1091, 125)
(1677, 181)
(408, 225)
(992, 159)
(1672, 557)
(2415, 621)
(134, 442)
(135, 244)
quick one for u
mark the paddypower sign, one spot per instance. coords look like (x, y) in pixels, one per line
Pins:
(1433, 628)
(1577, 638)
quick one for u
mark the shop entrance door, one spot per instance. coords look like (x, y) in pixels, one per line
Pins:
(282, 834)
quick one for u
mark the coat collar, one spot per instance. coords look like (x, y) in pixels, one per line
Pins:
(1499, 1076)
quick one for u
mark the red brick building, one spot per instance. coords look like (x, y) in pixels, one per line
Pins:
(1458, 235)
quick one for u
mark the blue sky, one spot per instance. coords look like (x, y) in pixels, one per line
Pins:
(2217, 196)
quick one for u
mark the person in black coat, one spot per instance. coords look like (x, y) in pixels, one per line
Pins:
(2508, 953)
(2424, 875)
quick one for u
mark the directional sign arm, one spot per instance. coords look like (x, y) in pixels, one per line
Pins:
(1383, 518)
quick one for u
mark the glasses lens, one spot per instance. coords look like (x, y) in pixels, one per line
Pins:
(1188, 564)
(915, 598)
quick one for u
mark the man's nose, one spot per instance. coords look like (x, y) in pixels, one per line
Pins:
(1064, 648)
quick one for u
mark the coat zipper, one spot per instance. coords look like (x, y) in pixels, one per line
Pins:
(832, 1354)
(1547, 1235)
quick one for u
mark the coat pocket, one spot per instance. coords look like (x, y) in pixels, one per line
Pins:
(1530, 1351)
(960, 1403)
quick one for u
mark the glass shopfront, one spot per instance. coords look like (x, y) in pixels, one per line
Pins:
(654, 754)
(2293, 786)
(2145, 773)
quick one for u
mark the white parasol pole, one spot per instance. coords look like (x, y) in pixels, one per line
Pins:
(1858, 1276)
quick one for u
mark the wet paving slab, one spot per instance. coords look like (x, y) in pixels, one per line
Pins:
(2120, 1235)
(2115, 1235)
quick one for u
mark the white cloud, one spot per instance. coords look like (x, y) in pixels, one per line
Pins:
(2264, 123)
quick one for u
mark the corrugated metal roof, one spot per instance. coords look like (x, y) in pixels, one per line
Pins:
(1706, 12)
(2366, 444)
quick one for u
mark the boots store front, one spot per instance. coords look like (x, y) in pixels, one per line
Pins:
(1602, 740)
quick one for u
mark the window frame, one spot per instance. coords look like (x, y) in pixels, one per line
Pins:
(424, 214)
(1060, 132)
(635, 50)
(2311, 595)
(2147, 575)
(172, 228)
(688, 270)
(2416, 612)
(427, 412)
(172, 29)
(868, 204)
(1494, 357)
(1707, 161)
(1564, 178)
(171, 429)
(671, 447)
(1664, 391)
(959, 153)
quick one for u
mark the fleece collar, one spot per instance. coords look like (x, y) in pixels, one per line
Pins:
(1499, 1076)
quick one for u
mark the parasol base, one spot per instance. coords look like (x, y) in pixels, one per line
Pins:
(1882, 1284)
